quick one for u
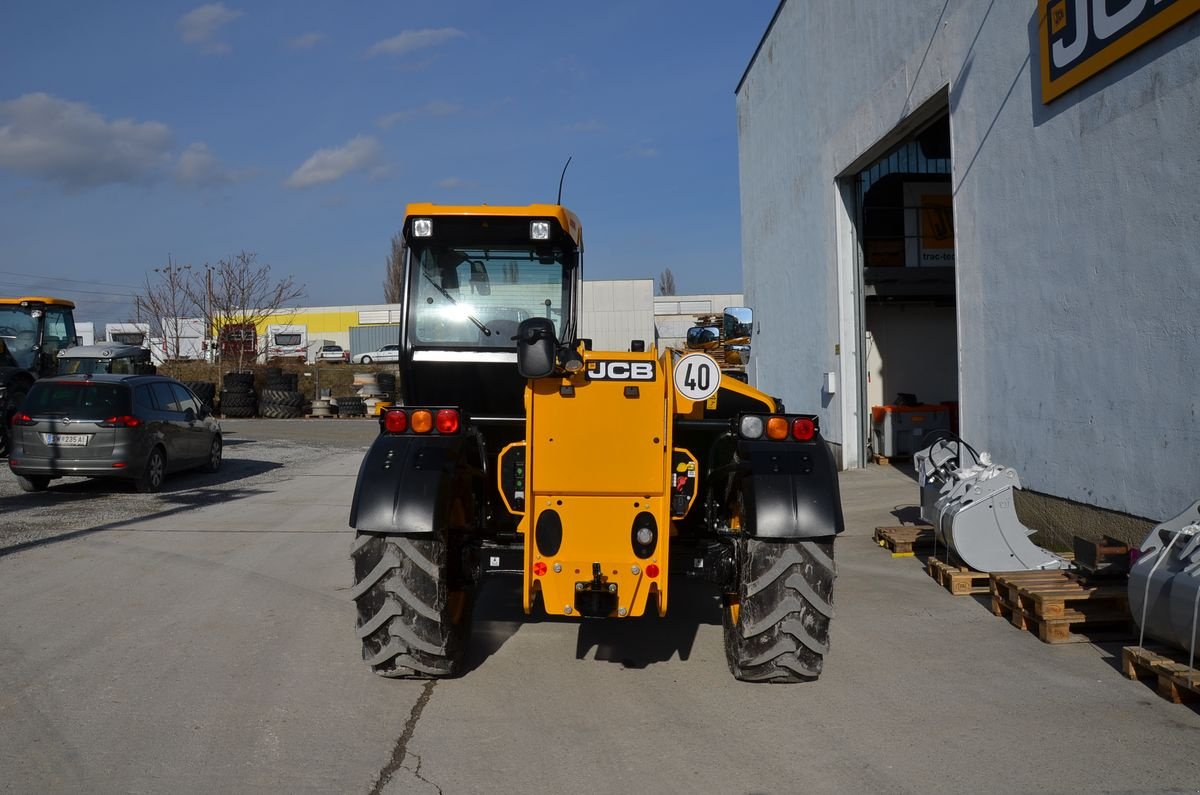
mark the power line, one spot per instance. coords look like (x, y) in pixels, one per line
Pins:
(39, 277)
(28, 288)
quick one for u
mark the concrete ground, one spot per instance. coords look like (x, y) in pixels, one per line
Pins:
(211, 648)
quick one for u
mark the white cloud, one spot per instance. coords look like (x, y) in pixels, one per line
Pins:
(360, 153)
(643, 151)
(201, 25)
(199, 167)
(306, 42)
(454, 183)
(70, 144)
(411, 40)
(436, 107)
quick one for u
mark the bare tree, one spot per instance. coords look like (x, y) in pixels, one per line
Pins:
(238, 294)
(666, 282)
(165, 300)
(393, 282)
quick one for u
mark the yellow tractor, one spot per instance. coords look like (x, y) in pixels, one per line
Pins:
(33, 329)
(597, 478)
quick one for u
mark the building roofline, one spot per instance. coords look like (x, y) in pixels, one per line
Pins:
(761, 41)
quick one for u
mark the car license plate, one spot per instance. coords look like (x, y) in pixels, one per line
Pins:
(67, 439)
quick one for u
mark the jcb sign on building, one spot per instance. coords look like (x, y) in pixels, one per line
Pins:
(1082, 37)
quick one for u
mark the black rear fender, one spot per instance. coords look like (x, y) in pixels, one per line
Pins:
(788, 489)
(412, 483)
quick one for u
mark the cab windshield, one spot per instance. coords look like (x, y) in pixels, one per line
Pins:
(476, 296)
(19, 333)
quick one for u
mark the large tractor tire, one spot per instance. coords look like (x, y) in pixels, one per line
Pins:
(15, 399)
(412, 620)
(777, 622)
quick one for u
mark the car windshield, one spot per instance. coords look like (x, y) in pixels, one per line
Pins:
(476, 296)
(78, 400)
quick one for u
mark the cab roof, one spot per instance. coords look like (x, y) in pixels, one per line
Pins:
(37, 299)
(567, 220)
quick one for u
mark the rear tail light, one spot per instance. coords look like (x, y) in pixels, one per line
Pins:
(421, 421)
(447, 421)
(777, 428)
(21, 418)
(803, 428)
(395, 421)
(124, 421)
(444, 421)
(751, 427)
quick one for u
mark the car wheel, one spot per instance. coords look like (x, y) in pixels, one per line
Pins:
(33, 482)
(214, 455)
(365, 360)
(151, 479)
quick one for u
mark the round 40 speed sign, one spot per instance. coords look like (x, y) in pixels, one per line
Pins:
(697, 376)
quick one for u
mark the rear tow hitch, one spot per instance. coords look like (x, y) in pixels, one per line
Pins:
(596, 598)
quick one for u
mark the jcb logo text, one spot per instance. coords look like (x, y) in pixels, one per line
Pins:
(620, 371)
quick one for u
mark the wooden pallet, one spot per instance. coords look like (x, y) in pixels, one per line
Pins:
(958, 580)
(903, 540)
(1060, 609)
(1177, 682)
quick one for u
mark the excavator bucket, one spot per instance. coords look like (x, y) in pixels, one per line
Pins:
(971, 507)
(1164, 582)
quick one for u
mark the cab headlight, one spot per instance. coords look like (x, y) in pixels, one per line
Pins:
(422, 227)
(539, 230)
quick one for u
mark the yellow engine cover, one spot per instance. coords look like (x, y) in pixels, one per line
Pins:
(599, 454)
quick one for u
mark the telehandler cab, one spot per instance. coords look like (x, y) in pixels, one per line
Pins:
(595, 477)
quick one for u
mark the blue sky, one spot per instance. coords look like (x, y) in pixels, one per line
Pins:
(130, 132)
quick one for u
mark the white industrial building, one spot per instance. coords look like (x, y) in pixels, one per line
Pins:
(988, 204)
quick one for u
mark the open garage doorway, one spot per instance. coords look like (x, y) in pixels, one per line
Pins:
(902, 219)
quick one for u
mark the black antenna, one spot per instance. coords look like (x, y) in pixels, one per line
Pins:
(560, 181)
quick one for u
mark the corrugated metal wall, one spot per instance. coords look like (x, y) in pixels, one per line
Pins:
(372, 338)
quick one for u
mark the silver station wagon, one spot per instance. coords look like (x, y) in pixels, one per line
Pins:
(137, 427)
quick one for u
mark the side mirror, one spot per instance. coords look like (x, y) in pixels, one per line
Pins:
(536, 347)
(737, 355)
(702, 338)
(189, 414)
(739, 325)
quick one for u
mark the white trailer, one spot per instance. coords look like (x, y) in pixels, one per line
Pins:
(287, 342)
(128, 334)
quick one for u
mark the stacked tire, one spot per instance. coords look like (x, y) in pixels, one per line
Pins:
(351, 406)
(281, 404)
(277, 379)
(238, 398)
(206, 391)
(387, 384)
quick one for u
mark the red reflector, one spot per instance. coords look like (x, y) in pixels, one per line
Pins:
(12, 462)
(539, 568)
(803, 428)
(652, 570)
(124, 421)
(119, 465)
(447, 421)
(395, 421)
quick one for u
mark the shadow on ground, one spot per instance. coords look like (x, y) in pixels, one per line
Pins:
(631, 643)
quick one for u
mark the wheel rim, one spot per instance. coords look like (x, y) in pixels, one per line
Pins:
(214, 454)
(156, 469)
